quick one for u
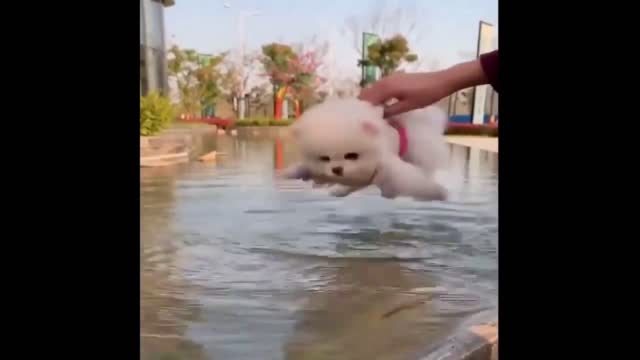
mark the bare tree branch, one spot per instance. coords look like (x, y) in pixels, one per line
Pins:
(385, 19)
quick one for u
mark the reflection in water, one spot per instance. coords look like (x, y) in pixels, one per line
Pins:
(368, 310)
(164, 310)
(237, 264)
(278, 150)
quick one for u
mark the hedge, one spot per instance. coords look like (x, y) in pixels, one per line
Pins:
(472, 129)
(452, 128)
(156, 113)
(263, 121)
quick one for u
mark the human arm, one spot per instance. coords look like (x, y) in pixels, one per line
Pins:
(417, 90)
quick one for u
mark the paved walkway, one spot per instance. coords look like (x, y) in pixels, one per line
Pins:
(481, 142)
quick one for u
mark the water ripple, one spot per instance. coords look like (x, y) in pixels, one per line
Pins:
(236, 264)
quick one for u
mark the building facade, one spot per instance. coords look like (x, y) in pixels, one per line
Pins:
(153, 48)
(460, 105)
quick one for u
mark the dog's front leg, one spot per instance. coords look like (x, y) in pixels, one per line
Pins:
(302, 172)
(399, 178)
(297, 172)
(339, 190)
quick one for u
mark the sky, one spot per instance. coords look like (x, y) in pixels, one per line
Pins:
(447, 29)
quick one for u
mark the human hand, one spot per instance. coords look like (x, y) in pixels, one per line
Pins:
(417, 90)
(411, 90)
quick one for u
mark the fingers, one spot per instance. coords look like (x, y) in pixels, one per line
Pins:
(378, 93)
(398, 108)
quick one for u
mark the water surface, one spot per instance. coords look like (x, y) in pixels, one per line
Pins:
(236, 264)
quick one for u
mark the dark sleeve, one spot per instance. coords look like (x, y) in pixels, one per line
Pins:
(489, 62)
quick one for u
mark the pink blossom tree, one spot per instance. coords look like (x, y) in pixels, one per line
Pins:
(290, 73)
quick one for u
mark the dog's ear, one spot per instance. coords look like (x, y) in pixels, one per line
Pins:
(370, 128)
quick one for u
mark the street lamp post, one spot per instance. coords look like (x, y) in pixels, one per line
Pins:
(242, 18)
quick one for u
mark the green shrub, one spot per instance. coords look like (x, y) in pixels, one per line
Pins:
(156, 113)
(452, 129)
(264, 121)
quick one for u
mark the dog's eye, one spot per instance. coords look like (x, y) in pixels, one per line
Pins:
(351, 156)
(325, 158)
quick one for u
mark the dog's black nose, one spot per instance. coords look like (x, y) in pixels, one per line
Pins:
(337, 170)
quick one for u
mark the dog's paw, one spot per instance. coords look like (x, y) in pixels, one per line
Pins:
(296, 172)
(388, 195)
(436, 193)
(340, 190)
(318, 184)
(388, 191)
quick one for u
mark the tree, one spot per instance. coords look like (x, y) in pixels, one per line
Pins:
(305, 80)
(182, 65)
(386, 19)
(319, 61)
(209, 77)
(230, 81)
(276, 61)
(289, 73)
(389, 54)
(235, 82)
(197, 79)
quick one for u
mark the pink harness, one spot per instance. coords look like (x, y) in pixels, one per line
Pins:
(402, 133)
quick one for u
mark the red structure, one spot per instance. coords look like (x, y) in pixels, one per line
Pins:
(454, 128)
(219, 122)
(279, 154)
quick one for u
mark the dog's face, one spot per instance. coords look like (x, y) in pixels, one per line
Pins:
(340, 141)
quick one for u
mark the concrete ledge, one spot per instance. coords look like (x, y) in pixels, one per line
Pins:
(173, 146)
(477, 342)
(480, 142)
(264, 131)
(164, 160)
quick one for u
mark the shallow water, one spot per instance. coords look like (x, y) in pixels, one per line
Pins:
(236, 264)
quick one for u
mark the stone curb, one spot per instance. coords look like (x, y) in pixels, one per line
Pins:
(164, 160)
(481, 142)
(477, 342)
(174, 146)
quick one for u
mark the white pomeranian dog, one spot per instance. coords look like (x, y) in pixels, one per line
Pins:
(348, 145)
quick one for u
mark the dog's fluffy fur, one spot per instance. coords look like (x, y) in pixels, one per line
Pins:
(346, 143)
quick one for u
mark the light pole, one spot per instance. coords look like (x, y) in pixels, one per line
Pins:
(485, 35)
(242, 18)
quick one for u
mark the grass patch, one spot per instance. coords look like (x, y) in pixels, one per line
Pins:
(189, 124)
(263, 121)
(452, 128)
